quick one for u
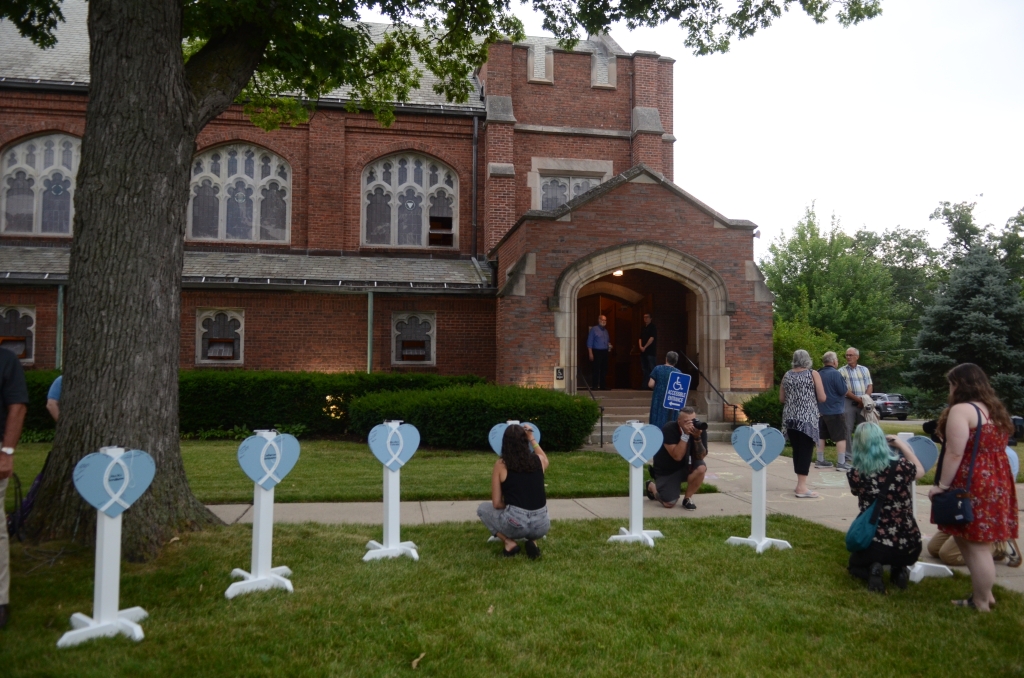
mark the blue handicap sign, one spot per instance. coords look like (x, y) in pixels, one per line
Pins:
(678, 388)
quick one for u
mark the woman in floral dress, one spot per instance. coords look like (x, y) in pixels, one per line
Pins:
(974, 403)
(876, 475)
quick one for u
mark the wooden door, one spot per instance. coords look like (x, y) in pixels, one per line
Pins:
(587, 310)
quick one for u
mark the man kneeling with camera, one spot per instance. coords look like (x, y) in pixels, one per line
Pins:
(680, 459)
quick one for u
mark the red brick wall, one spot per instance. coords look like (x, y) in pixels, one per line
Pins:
(45, 301)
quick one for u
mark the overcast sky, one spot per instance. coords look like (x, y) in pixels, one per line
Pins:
(876, 123)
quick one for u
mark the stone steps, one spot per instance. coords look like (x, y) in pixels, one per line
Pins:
(623, 406)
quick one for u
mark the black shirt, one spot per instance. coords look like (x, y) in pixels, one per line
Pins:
(649, 332)
(525, 490)
(13, 389)
(663, 462)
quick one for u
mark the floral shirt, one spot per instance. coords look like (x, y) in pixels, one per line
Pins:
(896, 525)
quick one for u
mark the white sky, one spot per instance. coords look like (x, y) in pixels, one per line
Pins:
(876, 123)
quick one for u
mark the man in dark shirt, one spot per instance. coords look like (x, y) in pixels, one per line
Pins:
(648, 343)
(13, 405)
(680, 459)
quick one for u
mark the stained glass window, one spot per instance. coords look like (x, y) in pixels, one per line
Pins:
(415, 206)
(219, 336)
(37, 185)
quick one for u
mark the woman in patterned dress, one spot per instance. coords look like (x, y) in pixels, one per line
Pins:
(801, 391)
(876, 475)
(973, 403)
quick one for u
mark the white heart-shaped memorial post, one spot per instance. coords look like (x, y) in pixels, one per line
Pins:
(394, 444)
(758, 445)
(637, 443)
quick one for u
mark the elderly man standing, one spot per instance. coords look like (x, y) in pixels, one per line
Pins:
(858, 383)
(13, 406)
(598, 345)
(832, 424)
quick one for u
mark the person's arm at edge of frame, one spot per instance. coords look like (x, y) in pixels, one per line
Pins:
(53, 407)
(958, 432)
(497, 498)
(908, 454)
(12, 433)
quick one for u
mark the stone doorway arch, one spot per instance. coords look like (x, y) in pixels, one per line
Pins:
(704, 281)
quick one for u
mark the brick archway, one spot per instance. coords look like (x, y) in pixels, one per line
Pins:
(706, 283)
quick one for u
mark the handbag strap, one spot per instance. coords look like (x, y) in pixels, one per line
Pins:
(882, 488)
(974, 452)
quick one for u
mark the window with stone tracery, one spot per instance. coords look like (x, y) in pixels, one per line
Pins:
(17, 332)
(240, 192)
(558, 190)
(413, 338)
(410, 200)
(220, 335)
(37, 185)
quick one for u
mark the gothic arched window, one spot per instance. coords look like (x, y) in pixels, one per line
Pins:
(220, 336)
(413, 337)
(410, 200)
(37, 185)
(239, 193)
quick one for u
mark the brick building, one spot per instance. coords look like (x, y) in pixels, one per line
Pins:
(477, 238)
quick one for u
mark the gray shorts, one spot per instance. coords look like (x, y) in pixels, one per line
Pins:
(514, 522)
(832, 427)
(671, 486)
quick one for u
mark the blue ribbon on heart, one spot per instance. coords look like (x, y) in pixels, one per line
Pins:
(758, 448)
(111, 481)
(926, 451)
(637, 444)
(394, 445)
(498, 432)
(267, 462)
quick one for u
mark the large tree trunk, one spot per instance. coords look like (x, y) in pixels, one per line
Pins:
(124, 301)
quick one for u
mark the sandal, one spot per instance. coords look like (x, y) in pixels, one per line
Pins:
(965, 602)
(511, 553)
(807, 495)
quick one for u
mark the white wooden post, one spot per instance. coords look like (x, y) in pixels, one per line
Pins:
(921, 570)
(758, 506)
(106, 619)
(636, 531)
(262, 576)
(393, 545)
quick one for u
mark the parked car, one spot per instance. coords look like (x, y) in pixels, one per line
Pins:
(891, 405)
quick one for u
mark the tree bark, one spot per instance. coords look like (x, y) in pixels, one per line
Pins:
(124, 292)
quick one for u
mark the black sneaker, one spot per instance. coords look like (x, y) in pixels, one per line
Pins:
(532, 550)
(511, 554)
(875, 582)
(647, 489)
(900, 578)
(688, 505)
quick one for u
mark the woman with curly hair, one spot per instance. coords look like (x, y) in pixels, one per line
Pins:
(975, 410)
(518, 507)
(876, 476)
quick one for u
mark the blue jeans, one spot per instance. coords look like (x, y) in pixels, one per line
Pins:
(514, 522)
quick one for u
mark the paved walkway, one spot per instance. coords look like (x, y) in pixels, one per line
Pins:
(835, 508)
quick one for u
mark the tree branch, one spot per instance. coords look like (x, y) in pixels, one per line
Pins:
(219, 71)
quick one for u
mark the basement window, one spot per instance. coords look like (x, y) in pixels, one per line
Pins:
(413, 338)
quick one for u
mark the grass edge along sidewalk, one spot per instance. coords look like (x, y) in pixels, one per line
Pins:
(692, 604)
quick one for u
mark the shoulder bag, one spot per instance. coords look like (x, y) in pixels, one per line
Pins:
(953, 507)
(862, 531)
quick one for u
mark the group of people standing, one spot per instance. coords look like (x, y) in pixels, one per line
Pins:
(973, 429)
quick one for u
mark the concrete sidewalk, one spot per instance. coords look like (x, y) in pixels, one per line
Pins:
(835, 508)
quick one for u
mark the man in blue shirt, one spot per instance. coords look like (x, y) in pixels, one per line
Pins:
(13, 406)
(598, 345)
(53, 397)
(832, 424)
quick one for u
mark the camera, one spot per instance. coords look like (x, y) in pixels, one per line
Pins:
(700, 425)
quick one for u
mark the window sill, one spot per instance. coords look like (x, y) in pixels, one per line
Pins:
(385, 250)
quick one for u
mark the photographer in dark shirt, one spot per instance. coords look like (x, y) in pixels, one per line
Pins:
(680, 459)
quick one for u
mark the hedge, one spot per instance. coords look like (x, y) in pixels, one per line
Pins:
(460, 418)
(256, 399)
(765, 408)
(318, 401)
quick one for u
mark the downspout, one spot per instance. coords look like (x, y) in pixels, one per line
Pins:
(632, 68)
(476, 123)
(369, 332)
(60, 328)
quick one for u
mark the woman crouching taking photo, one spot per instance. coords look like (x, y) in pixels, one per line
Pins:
(518, 507)
(876, 475)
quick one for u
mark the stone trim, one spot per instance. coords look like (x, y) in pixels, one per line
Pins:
(501, 169)
(573, 131)
(540, 71)
(499, 109)
(647, 120)
(540, 167)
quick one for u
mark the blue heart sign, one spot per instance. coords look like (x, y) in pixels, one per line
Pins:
(111, 480)
(498, 432)
(926, 451)
(637, 442)
(394, 443)
(758, 446)
(268, 461)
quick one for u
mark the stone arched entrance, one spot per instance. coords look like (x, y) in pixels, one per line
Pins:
(712, 317)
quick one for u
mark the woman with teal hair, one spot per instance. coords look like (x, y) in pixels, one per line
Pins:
(884, 470)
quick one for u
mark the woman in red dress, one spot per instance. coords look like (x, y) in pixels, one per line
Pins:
(992, 490)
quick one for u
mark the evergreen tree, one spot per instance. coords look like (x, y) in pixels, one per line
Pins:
(977, 317)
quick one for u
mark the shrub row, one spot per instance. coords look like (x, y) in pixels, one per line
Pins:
(213, 400)
(460, 418)
(765, 408)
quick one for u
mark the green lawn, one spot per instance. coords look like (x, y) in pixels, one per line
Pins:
(342, 471)
(691, 606)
